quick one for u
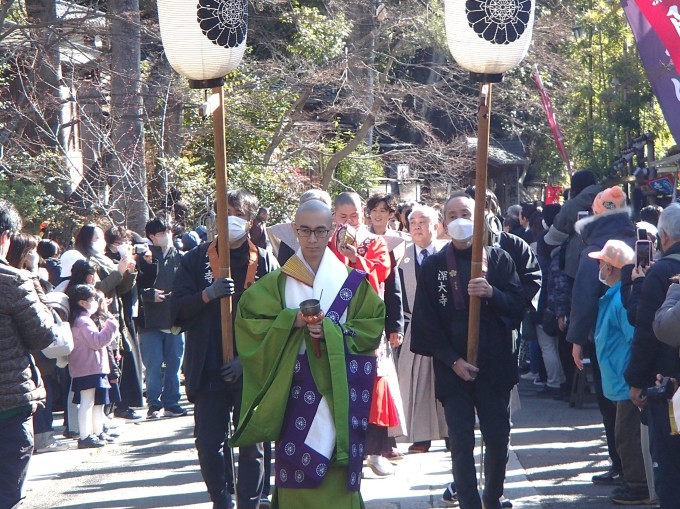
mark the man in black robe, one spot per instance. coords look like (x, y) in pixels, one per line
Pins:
(440, 324)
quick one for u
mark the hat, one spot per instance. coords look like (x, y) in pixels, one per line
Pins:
(190, 240)
(550, 212)
(579, 181)
(67, 260)
(609, 199)
(202, 232)
(616, 253)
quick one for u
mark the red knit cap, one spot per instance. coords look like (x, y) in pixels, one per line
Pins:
(609, 199)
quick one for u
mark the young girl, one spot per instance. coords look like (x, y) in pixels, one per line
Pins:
(89, 364)
(99, 318)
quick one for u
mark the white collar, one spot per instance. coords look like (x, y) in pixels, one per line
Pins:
(329, 278)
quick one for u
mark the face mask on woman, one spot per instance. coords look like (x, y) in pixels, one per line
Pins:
(99, 246)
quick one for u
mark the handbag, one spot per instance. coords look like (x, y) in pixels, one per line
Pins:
(63, 340)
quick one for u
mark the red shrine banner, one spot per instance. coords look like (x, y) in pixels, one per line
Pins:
(664, 16)
(552, 120)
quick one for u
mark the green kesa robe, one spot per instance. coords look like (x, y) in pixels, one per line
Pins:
(268, 346)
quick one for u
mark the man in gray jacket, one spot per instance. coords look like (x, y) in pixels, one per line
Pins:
(161, 343)
(26, 323)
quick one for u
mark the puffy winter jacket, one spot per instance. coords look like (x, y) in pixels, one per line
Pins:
(585, 295)
(563, 228)
(26, 323)
(667, 319)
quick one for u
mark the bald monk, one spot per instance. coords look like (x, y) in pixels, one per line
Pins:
(308, 386)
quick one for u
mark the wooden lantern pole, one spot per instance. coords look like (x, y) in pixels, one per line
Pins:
(222, 223)
(479, 236)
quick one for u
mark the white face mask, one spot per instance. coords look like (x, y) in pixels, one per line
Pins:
(99, 246)
(163, 241)
(237, 228)
(94, 307)
(460, 229)
(603, 280)
(91, 307)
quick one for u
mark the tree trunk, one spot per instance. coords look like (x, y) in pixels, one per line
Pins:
(362, 57)
(128, 171)
(47, 90)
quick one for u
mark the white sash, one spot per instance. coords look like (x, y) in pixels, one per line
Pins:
(328, 281)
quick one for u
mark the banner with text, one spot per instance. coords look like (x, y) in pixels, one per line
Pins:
(664, 78)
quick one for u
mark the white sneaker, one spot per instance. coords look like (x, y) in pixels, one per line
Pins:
(380, 465)
(54, 445)
(529, 376)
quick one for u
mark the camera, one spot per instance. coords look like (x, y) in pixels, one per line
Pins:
(663, 391)
(140, 249)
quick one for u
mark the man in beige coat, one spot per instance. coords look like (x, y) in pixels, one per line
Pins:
(424, 414)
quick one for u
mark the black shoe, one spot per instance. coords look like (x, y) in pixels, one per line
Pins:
(224, 503)
(154, 412)
(609, 477)
(450, 496)
(506, 503)
(91, 442)
(549, 392)
(126, 413)
(631, 497)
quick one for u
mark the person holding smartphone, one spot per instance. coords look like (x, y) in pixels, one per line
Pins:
(160, 343)
(651, 357)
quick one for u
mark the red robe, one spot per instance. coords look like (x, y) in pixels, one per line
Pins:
(373, 258)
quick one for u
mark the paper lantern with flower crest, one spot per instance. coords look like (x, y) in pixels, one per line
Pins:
(204, 39)
(489, 37)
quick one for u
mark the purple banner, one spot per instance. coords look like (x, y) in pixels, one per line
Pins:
(657, 62)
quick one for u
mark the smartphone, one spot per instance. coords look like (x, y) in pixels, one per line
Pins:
(642, 234)
(643, 253)
(582, 214)
(346, 236)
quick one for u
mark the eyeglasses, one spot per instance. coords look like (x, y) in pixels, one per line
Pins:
(319, 233)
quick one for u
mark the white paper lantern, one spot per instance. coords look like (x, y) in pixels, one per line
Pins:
(489, 37)
(204, 39)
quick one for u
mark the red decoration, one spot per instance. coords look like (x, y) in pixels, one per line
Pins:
(553, 194)
(664, 16)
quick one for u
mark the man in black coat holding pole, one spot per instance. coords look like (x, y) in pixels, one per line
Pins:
(440, 323)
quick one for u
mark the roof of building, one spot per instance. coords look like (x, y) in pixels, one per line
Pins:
(504, 152)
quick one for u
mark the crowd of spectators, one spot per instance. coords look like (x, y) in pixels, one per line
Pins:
(578, 286)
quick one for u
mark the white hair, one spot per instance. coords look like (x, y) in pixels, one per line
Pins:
(427, 211)
(669, 221)
(316, 194)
